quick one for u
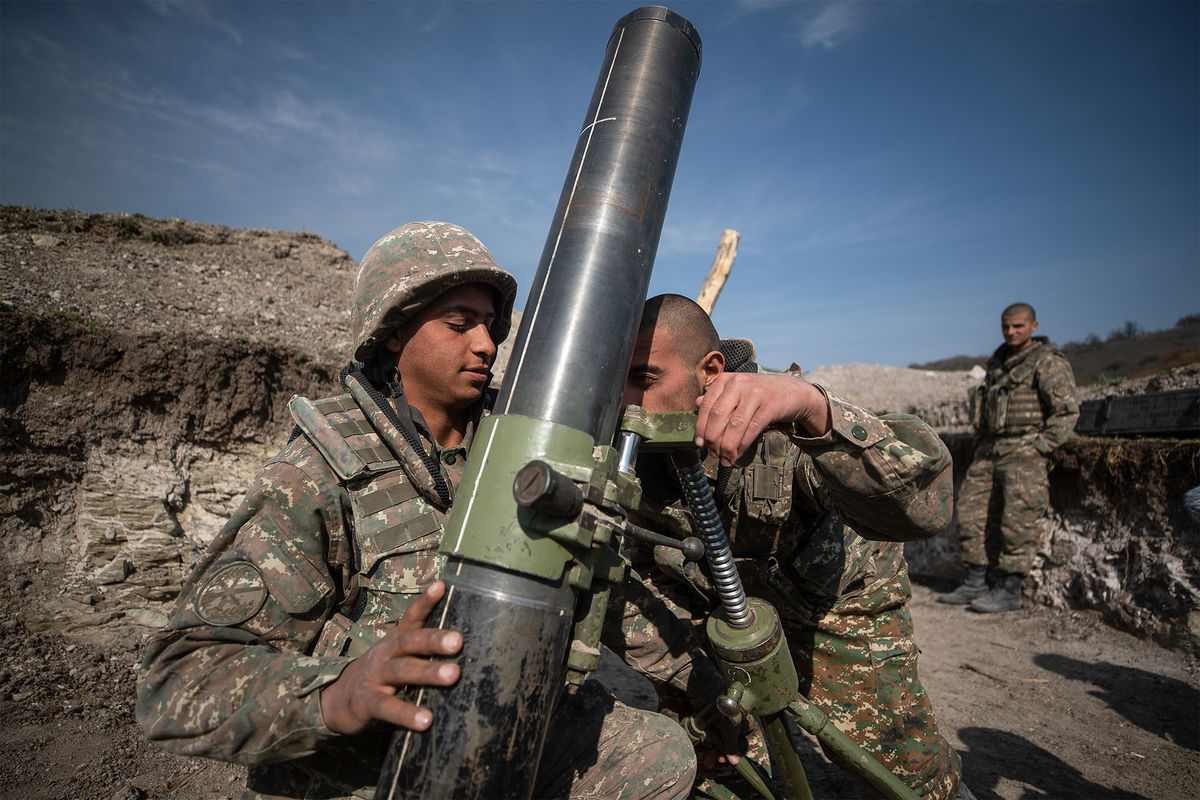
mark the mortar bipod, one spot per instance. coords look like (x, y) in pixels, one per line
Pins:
(749, 644)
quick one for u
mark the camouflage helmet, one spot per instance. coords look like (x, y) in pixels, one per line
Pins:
(410, 267)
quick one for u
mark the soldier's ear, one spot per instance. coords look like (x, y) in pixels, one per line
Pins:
(710, 367)
(395, 342)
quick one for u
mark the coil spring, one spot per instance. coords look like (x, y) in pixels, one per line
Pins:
(698, 495)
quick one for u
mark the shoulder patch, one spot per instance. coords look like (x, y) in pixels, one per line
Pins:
(231, 595)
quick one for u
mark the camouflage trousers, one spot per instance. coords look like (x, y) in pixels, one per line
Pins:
(596, 748)
(860, 668)
(1006, 485)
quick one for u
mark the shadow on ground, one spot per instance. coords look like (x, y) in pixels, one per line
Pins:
(1047, 776)
(1164, 706)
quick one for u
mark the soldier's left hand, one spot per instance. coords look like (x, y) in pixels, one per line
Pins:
(725, 737)
(737, 407)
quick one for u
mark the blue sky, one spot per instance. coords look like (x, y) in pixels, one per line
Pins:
(899, 171)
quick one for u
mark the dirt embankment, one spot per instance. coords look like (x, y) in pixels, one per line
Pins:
(172, 277)
(145, 367)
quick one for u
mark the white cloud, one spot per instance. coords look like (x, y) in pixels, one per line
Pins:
(197, 12)
(825, 25)
(831, 26)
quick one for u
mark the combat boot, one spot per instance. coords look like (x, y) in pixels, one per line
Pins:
(1004, 596)
(974, 586)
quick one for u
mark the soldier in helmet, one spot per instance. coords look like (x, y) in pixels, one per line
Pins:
(303, 625)
(1026, 407)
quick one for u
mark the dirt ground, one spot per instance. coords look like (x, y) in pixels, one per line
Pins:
(1039, 703)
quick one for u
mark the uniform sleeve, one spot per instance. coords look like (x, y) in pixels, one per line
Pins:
(889, 476)
(229, 677)
(1056, 391)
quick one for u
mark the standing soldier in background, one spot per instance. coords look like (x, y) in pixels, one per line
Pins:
(298, 641)
(1025, 408)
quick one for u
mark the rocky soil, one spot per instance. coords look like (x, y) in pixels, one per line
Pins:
(145, 367)
(171, 277)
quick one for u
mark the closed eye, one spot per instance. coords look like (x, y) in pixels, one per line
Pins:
(641, 378)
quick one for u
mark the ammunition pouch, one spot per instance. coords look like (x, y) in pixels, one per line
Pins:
(767, 480)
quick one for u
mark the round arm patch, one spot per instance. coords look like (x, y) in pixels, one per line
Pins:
(231, 595)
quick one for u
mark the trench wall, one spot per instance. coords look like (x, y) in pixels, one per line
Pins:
(1117, 539)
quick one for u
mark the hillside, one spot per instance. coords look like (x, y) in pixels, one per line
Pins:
(1116, 359)
(145, 367)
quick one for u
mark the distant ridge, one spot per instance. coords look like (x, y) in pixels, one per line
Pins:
(1119, 358)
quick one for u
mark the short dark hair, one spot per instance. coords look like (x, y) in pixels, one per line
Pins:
(1020, 308)
(689, 325)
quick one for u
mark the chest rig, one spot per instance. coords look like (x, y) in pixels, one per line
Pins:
(786, 541)
(394, 528)
(1007, 404)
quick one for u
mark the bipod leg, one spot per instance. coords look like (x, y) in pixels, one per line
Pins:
(848, 754)
(752, 774)
(785, 761)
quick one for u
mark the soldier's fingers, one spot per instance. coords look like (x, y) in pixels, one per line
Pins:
(419, 611)
(703, 412)
(745, 424)
(712, 414)
(419, 672)
(401, 713)
(733, 421)
(421, 642)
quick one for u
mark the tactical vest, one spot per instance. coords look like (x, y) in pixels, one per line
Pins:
(790, 541)
(394, 532)
(1007, 403)
(789, 551)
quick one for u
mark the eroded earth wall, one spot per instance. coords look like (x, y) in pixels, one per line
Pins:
(1118, 538)
(122, 455)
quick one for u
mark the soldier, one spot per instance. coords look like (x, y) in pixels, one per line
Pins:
(293, 635)
(817, 496)
(1025, 408)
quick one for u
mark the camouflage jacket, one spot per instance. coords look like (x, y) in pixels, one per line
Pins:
(1030, 395)
(818, 524)
(335, 538)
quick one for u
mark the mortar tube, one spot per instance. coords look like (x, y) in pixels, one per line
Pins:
(565, 375)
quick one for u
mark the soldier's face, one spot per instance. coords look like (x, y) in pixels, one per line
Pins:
(1017, 330)
(659, 379)
(445, 351)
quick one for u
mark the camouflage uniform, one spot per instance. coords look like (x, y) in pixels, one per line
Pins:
(336, 537)
(842, 597)
(1025, 408)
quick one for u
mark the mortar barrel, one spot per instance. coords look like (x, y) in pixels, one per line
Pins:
(509, 592)
(579, 323)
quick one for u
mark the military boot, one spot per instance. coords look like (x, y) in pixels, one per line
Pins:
(974, 586)
(1004, 596)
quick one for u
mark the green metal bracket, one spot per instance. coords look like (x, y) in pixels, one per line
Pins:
(663, 431)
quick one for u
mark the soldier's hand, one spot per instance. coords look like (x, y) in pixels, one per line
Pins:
(724, 737)
(737, 407)
(366, 689)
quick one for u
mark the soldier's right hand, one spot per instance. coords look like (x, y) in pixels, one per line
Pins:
(366, 689)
